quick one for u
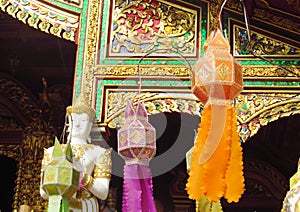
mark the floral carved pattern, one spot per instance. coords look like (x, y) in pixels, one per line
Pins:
(256, 110)
(144, 25)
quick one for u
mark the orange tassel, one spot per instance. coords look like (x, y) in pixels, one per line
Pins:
(194, 184)
(234, 177)
(222, 174)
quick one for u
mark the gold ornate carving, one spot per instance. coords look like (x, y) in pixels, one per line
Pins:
(44, 17)
(283, 23)
(9, 123)
(92, 31)
(92, 36)
(253, 110)
(145, 70)
(256, 110)
(154, 103)
(270, 71)
(214, 7)
(141, 26)
(235, 6)
(183, 71)
(18, 96)
(261, 45)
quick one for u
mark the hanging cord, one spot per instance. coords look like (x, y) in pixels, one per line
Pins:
(250, 42)
(62, 136)
(163, 51)
(158, 50)
(219, 16)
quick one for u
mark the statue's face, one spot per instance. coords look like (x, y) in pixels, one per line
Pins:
(80, 125)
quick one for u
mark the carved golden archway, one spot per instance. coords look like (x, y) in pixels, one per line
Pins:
(23, 137)
(253, 110)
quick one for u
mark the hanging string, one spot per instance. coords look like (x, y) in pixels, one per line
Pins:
(163, 51)
(62, 135)
(219, 16)
(250, 42)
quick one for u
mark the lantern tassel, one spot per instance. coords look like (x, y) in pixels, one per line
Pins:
(138, 189)
(58, 204)
(210, 178)
(234, 177)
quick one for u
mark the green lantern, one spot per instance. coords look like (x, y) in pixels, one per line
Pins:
(60, 178)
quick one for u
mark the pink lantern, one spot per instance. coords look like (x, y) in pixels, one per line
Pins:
(136, 139)
(137, 145)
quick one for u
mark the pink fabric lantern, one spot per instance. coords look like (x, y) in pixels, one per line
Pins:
(137, 145)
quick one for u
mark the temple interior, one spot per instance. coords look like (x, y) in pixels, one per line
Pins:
(42, 71)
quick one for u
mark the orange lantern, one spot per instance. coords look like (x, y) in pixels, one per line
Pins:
(217, 168)
(217, 74)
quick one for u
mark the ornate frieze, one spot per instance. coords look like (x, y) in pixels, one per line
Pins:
(253, 110)
(141, 26)
(257, 110)
(42, 16)
(261, 45)
(154, 103)
(283, 23)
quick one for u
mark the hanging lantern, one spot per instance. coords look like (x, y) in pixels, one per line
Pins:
(137, 145)
(137, 136)
(217, 74)
(60, 179)
(217, 167)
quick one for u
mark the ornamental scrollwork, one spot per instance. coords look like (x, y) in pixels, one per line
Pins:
(20, 98)
(257, 110)
(270, 71)
(150, 70)
(141, 26)
(154, 103)
(92, 31)
(261, 45)
(285, 24)
(43, 17)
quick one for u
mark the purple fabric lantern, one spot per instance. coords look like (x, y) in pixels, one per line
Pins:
(137, 145)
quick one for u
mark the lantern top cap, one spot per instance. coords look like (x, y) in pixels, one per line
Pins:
(130, 113)
(59, 153)
(216, 39)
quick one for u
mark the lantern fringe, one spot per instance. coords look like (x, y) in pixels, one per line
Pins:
(234, 172)
(222, 174)
(138, 189)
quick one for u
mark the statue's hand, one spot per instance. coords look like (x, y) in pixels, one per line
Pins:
(86, 180)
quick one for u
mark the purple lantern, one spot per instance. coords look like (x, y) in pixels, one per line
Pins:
(137, 145)
(136, 139)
